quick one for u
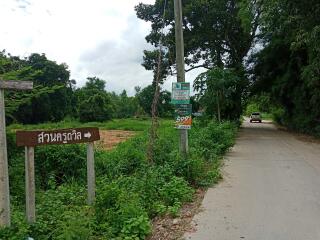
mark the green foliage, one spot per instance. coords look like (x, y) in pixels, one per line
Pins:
(94, 103)
(251, 108)
(55, 97)
(215, 139)
(278, 114)
(130, 191)
(116, 124)
(219, 92)
(176, 190)
(145, 99)
(19, 228)
(288, 66)
(136, 228)
(95, 109)
(56, 164)
(215, 33)
(125, 106)
(75, 224)
(51, 98)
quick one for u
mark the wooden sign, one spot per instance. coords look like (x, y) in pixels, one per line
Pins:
(16, 85)
(30, 139)
(56, 137)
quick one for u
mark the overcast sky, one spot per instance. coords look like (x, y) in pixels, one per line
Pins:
(102, 38)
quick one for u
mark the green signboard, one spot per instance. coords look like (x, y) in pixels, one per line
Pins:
(180, 93)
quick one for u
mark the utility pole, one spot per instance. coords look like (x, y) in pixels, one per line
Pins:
(180, 65)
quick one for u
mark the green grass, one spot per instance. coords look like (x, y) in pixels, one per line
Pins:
(117, 124)
(131, 191)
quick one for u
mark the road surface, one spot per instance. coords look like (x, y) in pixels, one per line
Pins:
(270, 191)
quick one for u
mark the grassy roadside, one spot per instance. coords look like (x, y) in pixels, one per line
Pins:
(130, 190)
(116, 124)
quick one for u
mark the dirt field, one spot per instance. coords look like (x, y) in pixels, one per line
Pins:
(111, 138)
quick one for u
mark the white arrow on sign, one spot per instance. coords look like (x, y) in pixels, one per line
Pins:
(87, 135)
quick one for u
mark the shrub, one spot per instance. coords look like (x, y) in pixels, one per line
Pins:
(176, 190)
(130, 191)
(96, 109)
(55, 165)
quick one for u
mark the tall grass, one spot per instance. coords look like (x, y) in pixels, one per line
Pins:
(130, 190)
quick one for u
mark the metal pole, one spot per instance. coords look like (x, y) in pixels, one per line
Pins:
(4, 176)
(30, 185)
(180, 64)
(91, 173)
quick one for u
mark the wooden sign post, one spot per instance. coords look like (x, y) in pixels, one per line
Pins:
(4, 175)
(30, 139)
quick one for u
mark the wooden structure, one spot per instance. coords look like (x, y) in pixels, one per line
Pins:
(30, 139)
(4, 176)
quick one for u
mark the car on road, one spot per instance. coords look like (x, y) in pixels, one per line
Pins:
(256, 117)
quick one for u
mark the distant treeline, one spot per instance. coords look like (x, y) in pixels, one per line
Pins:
(56, 97)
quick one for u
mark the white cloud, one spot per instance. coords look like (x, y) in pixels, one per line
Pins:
(100, 38)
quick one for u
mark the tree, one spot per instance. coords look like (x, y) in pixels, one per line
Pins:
(49, 72)
(217, 93)
(50, 100)
(95, 108)
(217, 32)
(145, 98)
(288, 66)
(125, 106)
(94, 103)
(95, 84)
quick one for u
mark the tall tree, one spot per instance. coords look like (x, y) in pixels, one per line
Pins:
(145, 98)
(94, 103)
(288, 66)
(50, 100)
(217, 91)
(217, 33)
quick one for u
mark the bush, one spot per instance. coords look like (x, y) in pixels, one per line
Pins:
(55, 165)
(176, 190)
(130, 191)
(96, 109)
(214, 140)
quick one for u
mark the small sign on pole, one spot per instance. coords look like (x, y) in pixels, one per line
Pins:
(180, 93)
(183, 116)
(182, 106)
(30, 139)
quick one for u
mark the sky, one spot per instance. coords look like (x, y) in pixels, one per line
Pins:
(101, 38)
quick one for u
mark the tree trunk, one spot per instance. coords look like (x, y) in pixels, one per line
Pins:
(218, 105)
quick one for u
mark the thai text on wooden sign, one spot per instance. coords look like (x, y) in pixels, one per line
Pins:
(63, 136)
(30, 139)
(180, 93)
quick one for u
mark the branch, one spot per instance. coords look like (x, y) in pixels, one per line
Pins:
(195, 67)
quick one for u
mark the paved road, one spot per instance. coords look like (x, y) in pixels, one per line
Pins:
(271, 190)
